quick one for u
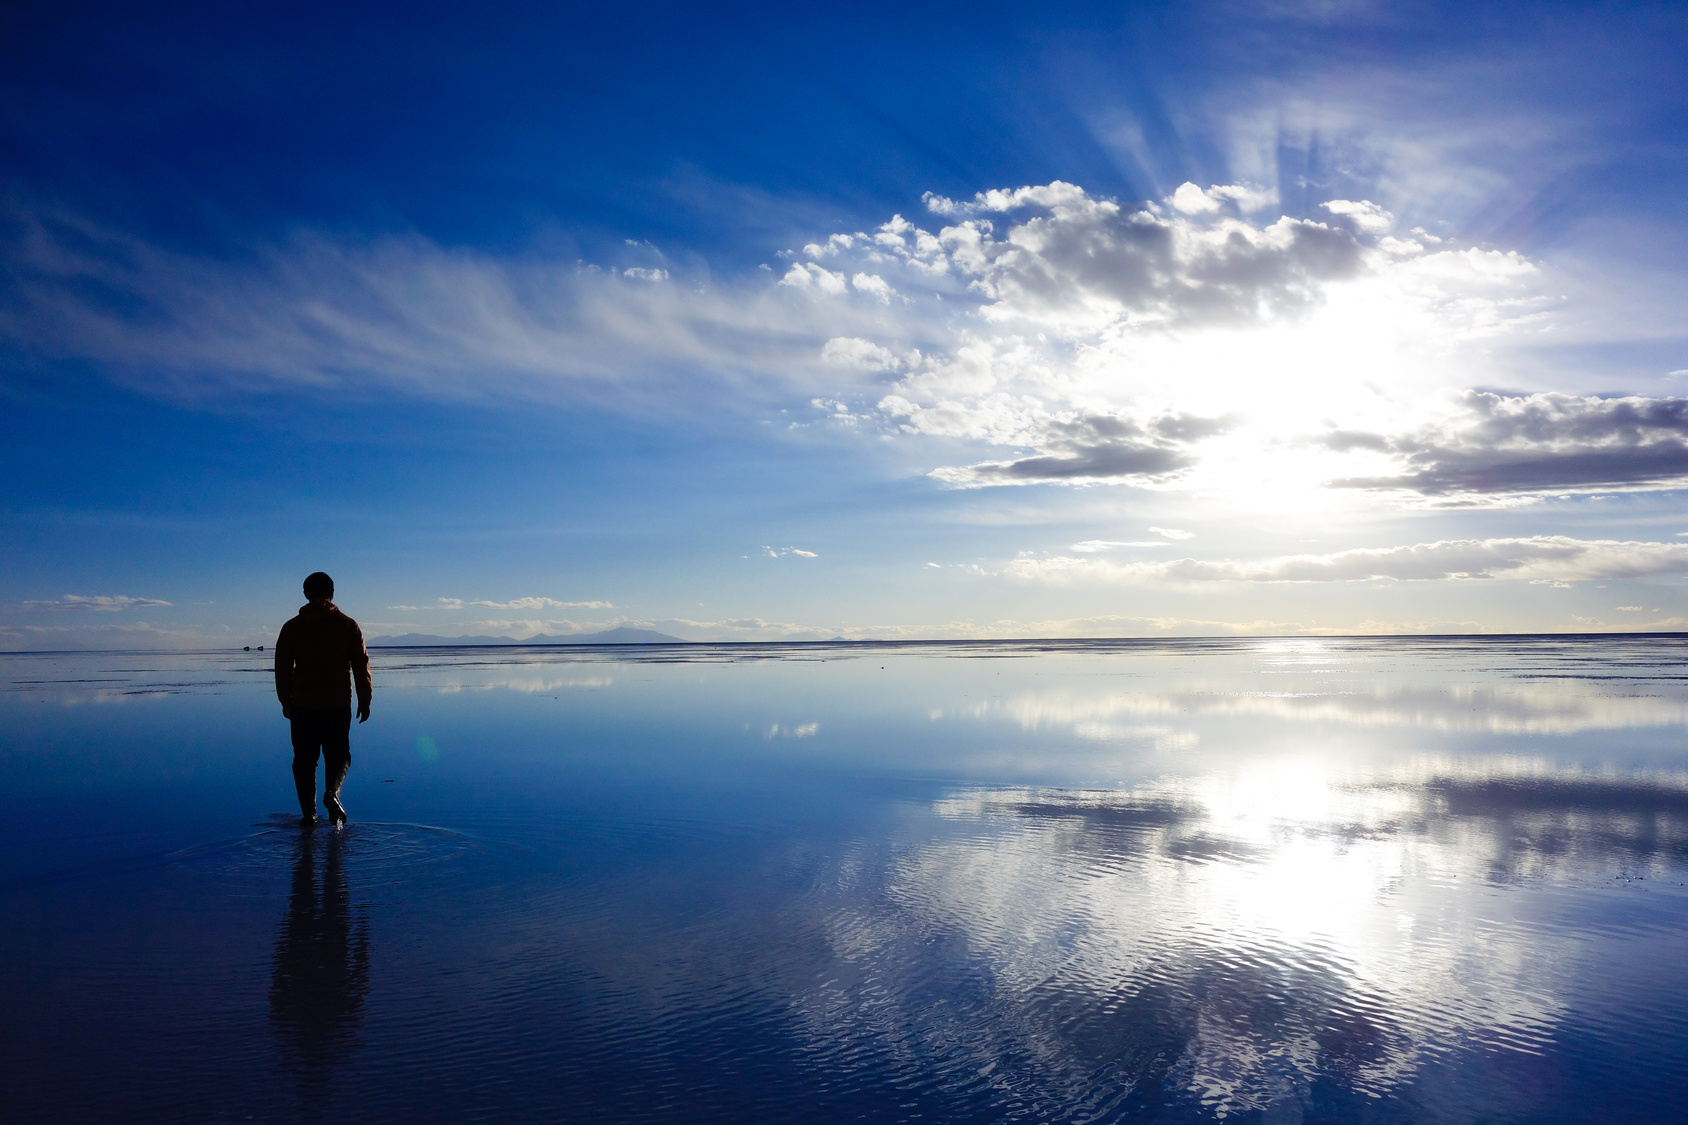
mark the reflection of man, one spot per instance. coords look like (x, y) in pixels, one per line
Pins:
(317, 657)
(320, 974)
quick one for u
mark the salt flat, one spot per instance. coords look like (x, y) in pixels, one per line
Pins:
(1434, 879)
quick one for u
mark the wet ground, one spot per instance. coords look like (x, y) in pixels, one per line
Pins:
(1279, 881)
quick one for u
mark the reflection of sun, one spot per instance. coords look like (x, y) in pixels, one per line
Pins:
(1294, 650)
(1291, 880)
(1303, 880)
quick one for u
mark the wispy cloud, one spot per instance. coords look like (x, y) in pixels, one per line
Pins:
(1092, 546)
(1548, 558)
(102, 602)
(774, 553)
(541, 603)
(139, 635)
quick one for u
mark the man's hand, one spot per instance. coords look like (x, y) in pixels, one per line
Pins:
(285, 713)
(363, 712)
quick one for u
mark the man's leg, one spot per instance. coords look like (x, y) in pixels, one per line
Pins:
(307, 738)
(336, 760)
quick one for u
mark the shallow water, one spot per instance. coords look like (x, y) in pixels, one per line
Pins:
(1278, 881)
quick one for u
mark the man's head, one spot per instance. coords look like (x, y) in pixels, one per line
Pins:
(319, 587)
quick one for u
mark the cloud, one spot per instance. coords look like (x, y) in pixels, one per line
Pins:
(1077, 340)
(1550, 558)
(1090, 314)
(772, 553)
(1549, 442)
(852, 351)
(873, 285)
(139, 635)
(1090, 260)
(809, 276)
(1084, 449)
(1173, 533)
(406, 313)
(534, 603)
(1365, 214)
(1091, 546)
(103, 603)
(1192, 200)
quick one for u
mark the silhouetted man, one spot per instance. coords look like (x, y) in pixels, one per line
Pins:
(318, 657)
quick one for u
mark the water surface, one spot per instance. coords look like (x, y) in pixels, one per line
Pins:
(1278, 881)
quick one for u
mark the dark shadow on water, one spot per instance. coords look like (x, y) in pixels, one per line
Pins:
(320, 971)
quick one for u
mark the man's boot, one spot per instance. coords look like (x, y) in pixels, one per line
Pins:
(304, 780)
(333, 776)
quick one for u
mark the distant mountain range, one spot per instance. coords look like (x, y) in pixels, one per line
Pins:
(618, 636)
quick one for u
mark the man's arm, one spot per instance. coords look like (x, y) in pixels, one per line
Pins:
(360, 674)
(284, 671)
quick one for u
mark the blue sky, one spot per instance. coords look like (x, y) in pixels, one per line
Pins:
(751, 322)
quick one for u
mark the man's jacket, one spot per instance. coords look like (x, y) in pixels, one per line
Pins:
(318, 656)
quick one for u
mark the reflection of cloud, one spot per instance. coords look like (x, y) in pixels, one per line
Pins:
(1230, 943)
(1165, 717)
(536, 685)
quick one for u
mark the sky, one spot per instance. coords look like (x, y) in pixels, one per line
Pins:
(748, 322)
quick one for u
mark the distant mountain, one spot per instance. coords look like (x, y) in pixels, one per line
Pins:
(618, 636)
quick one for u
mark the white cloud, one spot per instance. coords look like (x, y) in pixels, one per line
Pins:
(1092, 546)
(774, 553)
(645, 274)
(874, 286)
(1173, 533)
(536, 603)
(1366, 215)
(1191, 200)
(805, 275)
(102, 602)
(1553, 558)
(852, 351)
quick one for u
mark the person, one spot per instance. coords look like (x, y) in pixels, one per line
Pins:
(319, 656)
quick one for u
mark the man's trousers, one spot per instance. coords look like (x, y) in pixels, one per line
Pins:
(326, 732)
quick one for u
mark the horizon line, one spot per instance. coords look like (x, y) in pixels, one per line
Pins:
(918, 641)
